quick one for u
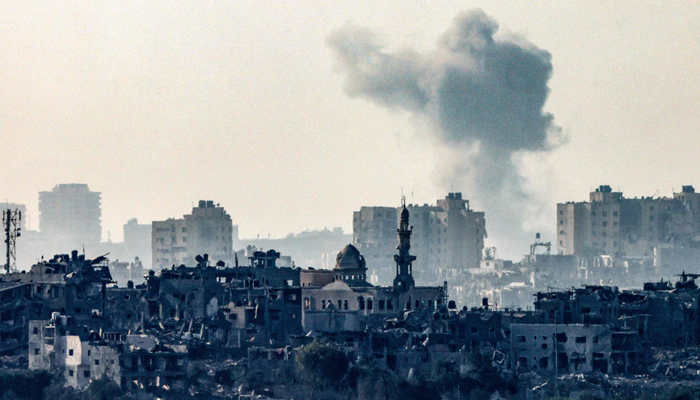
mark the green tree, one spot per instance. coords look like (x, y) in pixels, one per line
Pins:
(29, 385)
(104, 389)
(322, 365)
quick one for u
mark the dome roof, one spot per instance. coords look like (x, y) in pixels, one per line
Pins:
(349, 258)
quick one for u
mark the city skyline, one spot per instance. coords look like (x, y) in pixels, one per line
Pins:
(159, 105)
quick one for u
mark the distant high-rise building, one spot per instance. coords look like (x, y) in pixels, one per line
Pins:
(207, 230)
(137, 239)
(69, 216)
(612, 224)
(449, 235)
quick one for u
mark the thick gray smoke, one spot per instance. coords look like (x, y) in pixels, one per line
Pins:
(484, 98)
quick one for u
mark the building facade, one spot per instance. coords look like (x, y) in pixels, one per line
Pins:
(69, 216)
(207, 230)
(611, 224)
(349, 303)
(449, 235)
(131, 361)
(137, 240)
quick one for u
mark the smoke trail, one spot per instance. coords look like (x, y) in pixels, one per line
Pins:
(484, 96)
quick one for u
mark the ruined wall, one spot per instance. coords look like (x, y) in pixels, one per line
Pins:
(572, 348)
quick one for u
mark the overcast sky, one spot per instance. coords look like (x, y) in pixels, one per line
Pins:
(158, 104)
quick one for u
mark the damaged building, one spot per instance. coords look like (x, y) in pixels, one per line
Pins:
(80, 355)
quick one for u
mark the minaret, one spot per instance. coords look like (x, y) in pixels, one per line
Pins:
(404, 269)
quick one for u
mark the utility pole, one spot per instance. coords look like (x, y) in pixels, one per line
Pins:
(11, 220)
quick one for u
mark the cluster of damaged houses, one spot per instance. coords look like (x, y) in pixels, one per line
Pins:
(71, 318)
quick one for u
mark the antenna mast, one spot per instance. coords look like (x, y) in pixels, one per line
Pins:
(11, 220)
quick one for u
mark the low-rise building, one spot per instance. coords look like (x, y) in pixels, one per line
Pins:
(571, 348)
(79, 355)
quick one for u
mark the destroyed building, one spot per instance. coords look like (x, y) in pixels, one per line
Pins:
(73, 319)
(564, 348)
(65, 282)
(80, 355)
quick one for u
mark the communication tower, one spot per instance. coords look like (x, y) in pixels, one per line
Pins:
(11, 220)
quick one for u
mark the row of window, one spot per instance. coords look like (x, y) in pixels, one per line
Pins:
(561, 337)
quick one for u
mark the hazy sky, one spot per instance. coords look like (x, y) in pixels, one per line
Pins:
(158, 104)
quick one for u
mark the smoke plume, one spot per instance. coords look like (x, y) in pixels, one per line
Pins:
(483, 97)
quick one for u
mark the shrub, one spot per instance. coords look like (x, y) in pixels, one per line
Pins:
(322, 365)
(25, 385)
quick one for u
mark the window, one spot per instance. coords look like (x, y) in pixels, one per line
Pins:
(323, 304)
(520, 339)
(36, 330)
(70, 352)
(389, 304)
(36, 352)
(89, 353)
(605, 213)
(86, 374)
(345, 303)
(580, 339)
(615, 213)
(70, 372)
(340, 304)
(381, 304)
(97, 362)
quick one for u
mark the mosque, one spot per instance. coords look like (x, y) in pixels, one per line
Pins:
(342, 300)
